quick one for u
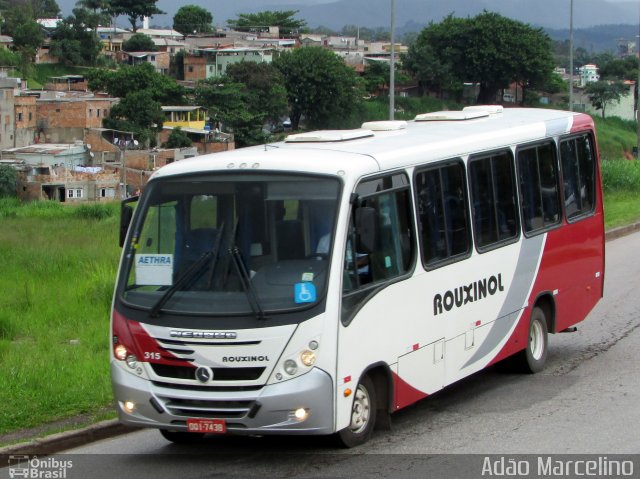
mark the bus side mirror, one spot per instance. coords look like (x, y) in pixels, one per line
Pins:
(366, 229)
(126, 213)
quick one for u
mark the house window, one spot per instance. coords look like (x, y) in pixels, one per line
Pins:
(30, 116)
(19, 116)
(153, 58)
(190, 69)
(74, 193)
(90, 112)
(98, 112)
(107, 193)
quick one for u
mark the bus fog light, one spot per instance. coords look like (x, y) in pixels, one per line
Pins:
(300, 414)
(129, 406)
(132, 361)
(290, 367)
(308, 358)
(120, 352)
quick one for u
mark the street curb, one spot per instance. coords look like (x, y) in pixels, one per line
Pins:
(621, 231)
(105, 429)
(68, 439)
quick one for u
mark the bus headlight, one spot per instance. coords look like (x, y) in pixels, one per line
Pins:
(290, 367)
(296, 363)
(308, 358)
(132, 361)
(120, 352)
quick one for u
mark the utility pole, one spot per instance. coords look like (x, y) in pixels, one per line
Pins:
(571, 57)
(392, 64)
(638, 88)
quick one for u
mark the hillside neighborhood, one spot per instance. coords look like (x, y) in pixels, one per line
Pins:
(55, 138)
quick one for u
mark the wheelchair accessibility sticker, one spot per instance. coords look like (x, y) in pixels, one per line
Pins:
(304, 293)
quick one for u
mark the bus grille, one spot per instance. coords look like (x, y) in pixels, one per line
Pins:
(207, 408)
(219, 374)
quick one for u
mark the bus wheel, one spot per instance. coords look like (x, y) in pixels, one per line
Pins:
(363, 416)
(533, 357)
(180, 437)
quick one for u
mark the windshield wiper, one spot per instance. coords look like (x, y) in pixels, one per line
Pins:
(190, 273)
(245, 281)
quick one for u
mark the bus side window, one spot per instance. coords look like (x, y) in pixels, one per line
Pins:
(392, 256)
(539, 189)
(578, 173)
(493, 199)
(442, 213)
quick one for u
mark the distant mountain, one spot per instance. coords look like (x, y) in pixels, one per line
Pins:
(600, 38)
(376, 13)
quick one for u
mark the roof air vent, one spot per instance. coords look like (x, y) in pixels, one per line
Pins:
(328, 136)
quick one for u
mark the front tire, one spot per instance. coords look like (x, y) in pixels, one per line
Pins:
(532, 359)
(363, 416)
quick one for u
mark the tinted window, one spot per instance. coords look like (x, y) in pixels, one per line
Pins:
(442, 213)
(493, 199)
(578, 173)
(538, 173)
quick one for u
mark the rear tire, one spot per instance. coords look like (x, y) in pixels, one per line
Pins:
(532, 359)
(363, 416)
(180, 437)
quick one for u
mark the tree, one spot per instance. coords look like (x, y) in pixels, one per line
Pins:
(191, 19)
(139, 42)
(227, 104)
(8, 181)
(73, 43)
(603, 93)
(319, 86)
(489, 50)
(138, 113)
(620, 69)
(127, 79)
(376, 76)
(177, 139)
(27, 38)
(249, 97)
(283, 19)
(135, 10)
(96, 13)
(263, 87)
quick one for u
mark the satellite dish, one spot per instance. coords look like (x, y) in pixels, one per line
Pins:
(135, 142)
(88, 146)
(91, 154)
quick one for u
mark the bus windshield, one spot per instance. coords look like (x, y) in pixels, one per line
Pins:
(231, 244)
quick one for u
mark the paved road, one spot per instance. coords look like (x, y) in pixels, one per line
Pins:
(585, 402)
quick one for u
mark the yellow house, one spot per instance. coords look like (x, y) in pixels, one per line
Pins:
(185, 116)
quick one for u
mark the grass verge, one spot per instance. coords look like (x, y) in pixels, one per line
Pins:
(59, 264)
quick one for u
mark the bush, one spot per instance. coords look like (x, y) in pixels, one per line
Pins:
(96, 211)
(621, 175)
(8, 182)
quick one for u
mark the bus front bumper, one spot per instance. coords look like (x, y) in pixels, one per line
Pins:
(270, 410)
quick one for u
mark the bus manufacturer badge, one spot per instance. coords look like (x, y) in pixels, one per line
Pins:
(203, 374)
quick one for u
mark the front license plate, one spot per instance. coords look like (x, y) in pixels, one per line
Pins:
(207, 426)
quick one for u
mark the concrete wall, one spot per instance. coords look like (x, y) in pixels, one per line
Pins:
(7, 118)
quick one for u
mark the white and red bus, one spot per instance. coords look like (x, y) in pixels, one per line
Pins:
(317, 285)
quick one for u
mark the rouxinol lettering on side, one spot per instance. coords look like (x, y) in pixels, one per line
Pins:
(469, 293)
